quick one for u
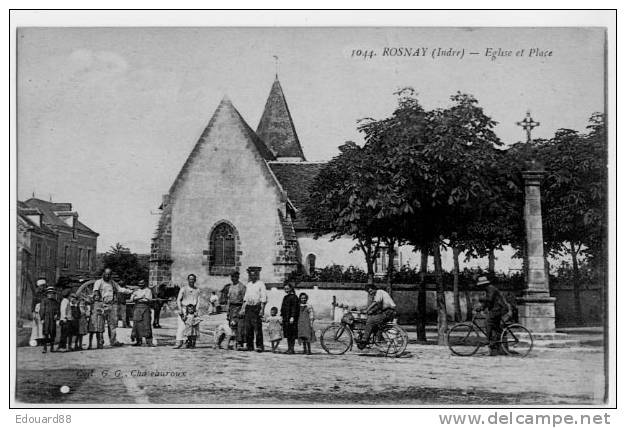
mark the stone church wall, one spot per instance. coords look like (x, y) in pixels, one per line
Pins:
(227, 180)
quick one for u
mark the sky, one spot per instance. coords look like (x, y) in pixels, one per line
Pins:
(107, 116)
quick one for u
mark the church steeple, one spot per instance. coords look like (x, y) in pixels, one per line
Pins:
(276, 127)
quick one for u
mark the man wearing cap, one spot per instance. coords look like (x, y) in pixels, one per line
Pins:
(495, 303)
(236, 293)
(253, 308)
(382, 309)
(108, 291)
(188, 295)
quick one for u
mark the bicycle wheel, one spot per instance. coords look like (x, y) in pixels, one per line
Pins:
(516, 340)
(391, 340)
(464, 339)
(336, 339)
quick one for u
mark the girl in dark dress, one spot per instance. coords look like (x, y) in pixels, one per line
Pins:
(290, 311)
(49, 313)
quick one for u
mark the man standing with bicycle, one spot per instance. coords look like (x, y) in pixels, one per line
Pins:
(381, 310)
(497, 306)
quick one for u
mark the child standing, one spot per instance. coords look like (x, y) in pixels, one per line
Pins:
(306, 334)
(96, 321)
(83, 322)
(66, 322)
(74, 323)
(192, 325)
(49, 314)
(274, 328)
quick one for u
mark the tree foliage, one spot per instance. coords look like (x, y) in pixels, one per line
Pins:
(124, 264)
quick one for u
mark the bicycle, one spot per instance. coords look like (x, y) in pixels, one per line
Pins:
(338, 338)
(464, 339)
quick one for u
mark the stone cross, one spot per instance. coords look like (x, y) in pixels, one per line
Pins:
(276, 63)
(528, 124)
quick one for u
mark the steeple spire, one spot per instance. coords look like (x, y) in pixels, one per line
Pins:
(276, 126)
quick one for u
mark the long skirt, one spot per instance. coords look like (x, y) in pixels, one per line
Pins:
(142, 322)
(37, 329)
(305, 328)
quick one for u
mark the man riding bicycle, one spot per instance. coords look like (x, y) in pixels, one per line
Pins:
(381, 310)
(499, 311)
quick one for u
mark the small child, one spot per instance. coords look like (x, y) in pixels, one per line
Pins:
(83, 322)
(274, 328)
(96, 321)
(306, 334)
(65, 321)
(49, 314)
(213, 300)
(192, 325)
(226, 331)
(75, 323)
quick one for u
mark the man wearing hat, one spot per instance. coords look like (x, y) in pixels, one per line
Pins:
(236, 293)
(109, 290)
(496, 304)
(253, 308)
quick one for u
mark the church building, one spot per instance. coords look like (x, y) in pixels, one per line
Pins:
(236, 203)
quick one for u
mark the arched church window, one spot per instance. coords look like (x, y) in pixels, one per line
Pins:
(310, 264)
(223, 248)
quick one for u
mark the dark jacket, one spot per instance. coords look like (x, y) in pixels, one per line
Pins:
(290, 309)
(494, 301)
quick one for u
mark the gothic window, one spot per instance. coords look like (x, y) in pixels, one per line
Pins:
(223, 249)
(310, 264)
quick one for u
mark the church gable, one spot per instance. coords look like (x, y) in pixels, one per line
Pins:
(221, 212)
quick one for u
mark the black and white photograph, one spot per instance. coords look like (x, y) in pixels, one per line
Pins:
(312, 216)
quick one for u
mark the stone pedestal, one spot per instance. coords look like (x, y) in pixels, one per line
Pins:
(536, 307)
(536, 312)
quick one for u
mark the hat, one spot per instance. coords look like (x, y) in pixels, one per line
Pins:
(50, 289)
(482, 280)
(254, 269)
(41, 282)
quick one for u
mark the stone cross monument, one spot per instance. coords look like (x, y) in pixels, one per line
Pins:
(536, 307)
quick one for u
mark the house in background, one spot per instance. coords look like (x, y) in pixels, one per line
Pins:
(52, 243)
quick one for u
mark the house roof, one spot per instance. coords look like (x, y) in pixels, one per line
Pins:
(296, 178)
(48, 210)
(24, 211)
(276, 126)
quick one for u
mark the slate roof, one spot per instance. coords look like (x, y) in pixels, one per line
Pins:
(51, 219)
(296, 178)
(276, 126)
(24, 211)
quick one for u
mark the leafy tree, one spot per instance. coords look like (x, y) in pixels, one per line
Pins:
(574, 195)
(441, 161)
(124, 264)
(339, 203)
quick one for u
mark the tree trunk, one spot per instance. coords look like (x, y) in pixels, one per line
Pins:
(442, 316)
(392, 255)
(491, 268)
(455, 286)
(421, 297)
(546, 268)
(576, 285)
